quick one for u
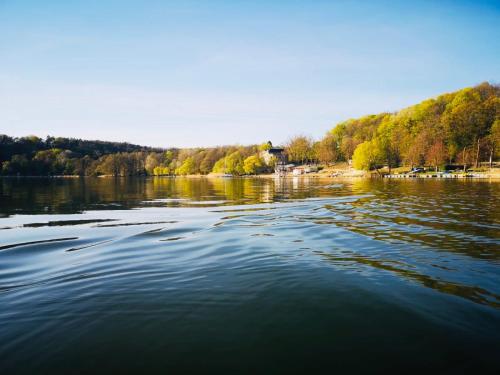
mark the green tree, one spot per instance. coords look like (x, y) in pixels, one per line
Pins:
(265, 146)
(367, 155)
(231, 164)
(161, 171)
(327, 151)
(299, 149)
(387, 142)
(187, 167)
(168, 157)
(253, 164)
(494, 140)
(234, 163)
(153, 160)
(468, 118)
(219, 166)
(18, 164)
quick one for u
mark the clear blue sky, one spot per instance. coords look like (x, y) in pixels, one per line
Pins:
(193, 73)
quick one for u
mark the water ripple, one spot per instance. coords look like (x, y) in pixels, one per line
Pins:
(342, 263)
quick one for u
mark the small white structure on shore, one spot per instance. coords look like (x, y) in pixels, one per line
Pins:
(304, 170)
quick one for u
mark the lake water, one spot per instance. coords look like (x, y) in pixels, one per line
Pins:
(249, 276)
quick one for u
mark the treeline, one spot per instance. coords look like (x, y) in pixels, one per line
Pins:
(10, 146)
(32, 156)
(456, 128)
(63, 156)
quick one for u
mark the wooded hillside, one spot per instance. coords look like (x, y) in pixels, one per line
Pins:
(462, 127)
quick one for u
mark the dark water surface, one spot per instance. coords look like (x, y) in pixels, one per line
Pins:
(249, 276)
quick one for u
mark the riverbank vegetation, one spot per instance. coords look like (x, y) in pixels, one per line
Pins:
(460, 128)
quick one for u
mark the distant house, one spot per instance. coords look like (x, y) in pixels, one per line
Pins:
(278, 155)
(273, 152)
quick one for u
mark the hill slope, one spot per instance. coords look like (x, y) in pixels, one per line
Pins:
(461, 127)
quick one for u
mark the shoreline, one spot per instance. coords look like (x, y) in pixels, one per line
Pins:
(470, 176)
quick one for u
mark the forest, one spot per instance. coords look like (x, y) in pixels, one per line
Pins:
(459, 128)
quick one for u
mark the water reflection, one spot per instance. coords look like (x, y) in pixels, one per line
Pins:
(180, 265)
(456, 216)
(77, 195)
(473, 293)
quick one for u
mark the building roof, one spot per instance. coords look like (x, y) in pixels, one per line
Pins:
(276, 150)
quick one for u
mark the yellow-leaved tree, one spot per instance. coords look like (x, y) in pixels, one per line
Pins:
(187, 167)
(367, 155)
(253, 164)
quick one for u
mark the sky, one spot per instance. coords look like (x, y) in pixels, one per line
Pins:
(205, 73)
